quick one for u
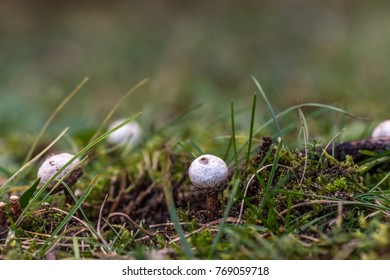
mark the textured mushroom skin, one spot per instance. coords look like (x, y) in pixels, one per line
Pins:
(382, 129)
(208, 172)
(54, 163)
(129, 134)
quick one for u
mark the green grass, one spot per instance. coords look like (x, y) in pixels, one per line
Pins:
(278, 203)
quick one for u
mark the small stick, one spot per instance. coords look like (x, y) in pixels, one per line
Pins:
(353, 148)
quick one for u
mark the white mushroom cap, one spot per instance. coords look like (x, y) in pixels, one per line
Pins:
(382, 129)
(129, 134)
(54, 163)
(14, 199)
(208, 172)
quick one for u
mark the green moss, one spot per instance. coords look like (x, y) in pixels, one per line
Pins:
(339, 184)
(42, 223)
(301, 179)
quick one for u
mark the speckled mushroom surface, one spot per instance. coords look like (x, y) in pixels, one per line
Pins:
(53, 164)
(208, 172)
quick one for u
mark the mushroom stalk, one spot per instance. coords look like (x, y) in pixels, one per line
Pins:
(211, 205)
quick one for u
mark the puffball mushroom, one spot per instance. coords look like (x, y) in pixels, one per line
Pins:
(129, 134)
(208, 173)
(54, 163)
(382, 129)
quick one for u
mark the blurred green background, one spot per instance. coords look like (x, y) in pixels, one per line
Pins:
(333, 52)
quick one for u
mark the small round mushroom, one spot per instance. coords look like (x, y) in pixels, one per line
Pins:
(54, 163)
(208, 173)
(15, 207)
(382, 129)
(129, 134)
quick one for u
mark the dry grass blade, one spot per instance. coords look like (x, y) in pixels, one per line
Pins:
(131, 221)
(305, 139)
(98, 229)
(339, 220)
(26, 165)
(208, 225)
(44, 211)
(112, 111)
(333, 139)
(52, 116)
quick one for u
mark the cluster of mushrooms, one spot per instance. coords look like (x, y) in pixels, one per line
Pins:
(208, 173)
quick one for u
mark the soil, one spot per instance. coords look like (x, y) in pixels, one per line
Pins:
(147, 201)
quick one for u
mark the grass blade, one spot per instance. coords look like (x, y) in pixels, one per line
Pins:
(380, 183)
(172, 209)
(26, 196)
(295, 107)
(30, 205)
(251, 131)
(91, 228)
(78, 155)
(113, 110)
(52, 116)
(305, 140)
(268, 105)
(228, 149)
(76, 248)
(222, 225)
(317, 105)
(196, 147)
(78, 204)
(5, 172)
(234, 137)
(267, 195)
(26, 165)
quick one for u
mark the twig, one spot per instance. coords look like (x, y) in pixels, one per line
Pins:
(333, 139)
(353, 148)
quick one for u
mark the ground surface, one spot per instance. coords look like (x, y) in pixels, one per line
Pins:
(318, 62)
